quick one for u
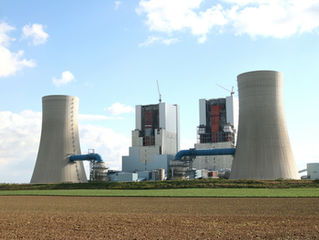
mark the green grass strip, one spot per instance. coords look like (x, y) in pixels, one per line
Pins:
(193, 192)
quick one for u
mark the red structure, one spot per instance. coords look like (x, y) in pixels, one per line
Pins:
(216, 128)
(215, 121)
(150, 122)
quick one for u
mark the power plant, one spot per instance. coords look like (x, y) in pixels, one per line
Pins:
(259, 149)
(59, 140)
(263, 148)
(155, 140)
(218, 122)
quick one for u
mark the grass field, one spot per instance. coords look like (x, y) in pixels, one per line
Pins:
(170, 184)
(185, 192)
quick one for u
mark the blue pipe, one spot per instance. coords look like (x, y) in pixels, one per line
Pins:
(205, 152)
(84, 157)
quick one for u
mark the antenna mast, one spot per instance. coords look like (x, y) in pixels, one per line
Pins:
(159, 93)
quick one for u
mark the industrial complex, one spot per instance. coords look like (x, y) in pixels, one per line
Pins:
(248, 140)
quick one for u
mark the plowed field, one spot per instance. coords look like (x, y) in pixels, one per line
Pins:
(25, 217)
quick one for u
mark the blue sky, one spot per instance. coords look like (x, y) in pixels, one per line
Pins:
(110, 54)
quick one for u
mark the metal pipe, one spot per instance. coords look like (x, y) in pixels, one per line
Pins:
(205, 152)
(86, 157)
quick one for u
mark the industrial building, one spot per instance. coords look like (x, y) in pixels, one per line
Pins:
(312, 171)
(182, 166)
(154, 175)
(263, 148)
(218, 121)
(59, 140)
(155, 140)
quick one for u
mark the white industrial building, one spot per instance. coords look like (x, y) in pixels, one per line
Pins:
(312, 171)
(218, 121)
(155, 140)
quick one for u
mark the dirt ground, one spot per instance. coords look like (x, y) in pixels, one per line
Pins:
(24, 217)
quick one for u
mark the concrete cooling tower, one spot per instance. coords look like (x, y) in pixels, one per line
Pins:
(263, 148)
(59, 140)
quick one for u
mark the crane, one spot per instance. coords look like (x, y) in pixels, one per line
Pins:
(231, 91)
(159, 93)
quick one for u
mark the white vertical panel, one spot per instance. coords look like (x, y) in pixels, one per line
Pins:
(202, 112)
(177, 129)
(162, 115)
(171, 113)
(232, 111)
(138, 117)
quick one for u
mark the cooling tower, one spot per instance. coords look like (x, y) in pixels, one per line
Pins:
(59, 140)
(263, 148)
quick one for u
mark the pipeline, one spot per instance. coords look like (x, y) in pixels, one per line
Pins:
(205, 152)
(86, 157)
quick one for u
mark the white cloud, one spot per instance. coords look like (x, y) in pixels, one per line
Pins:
(169, 41)
(66, 78)
(36, 33)
(152, 39)
(265, 18)
(105, 141)
(20, 138)
(119, 108)
(171, 16)
(187, 143)
(90, 117)
(149, 41)
(4, 37)
(274, 18)
(10, 62)
(117, 5)
(20, 135)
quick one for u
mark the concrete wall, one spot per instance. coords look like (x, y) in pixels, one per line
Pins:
(313, 170)
(213, 162)
(59, 139)
(144, 159)
(124, 177)
(263, 147)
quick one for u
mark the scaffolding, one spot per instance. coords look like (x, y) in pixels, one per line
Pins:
(98, 172)
(209, 137)
(178, 169)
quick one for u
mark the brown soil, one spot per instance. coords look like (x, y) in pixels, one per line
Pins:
(158, 218)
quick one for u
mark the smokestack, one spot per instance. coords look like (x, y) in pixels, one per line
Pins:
(59, 140)
(263, 148)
